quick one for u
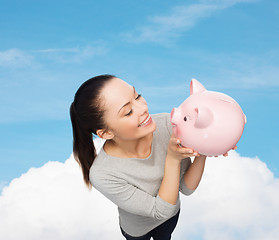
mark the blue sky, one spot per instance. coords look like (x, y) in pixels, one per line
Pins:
(49, 48)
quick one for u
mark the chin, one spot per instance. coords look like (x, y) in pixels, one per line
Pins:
(150, 129)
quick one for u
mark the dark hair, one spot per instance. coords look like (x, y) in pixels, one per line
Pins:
(87, 117)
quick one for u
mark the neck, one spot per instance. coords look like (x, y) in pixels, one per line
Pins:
(138, 148)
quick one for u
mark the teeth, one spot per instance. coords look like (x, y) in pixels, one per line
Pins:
(147, 119)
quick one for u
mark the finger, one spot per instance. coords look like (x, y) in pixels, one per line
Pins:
(184, 150)
(196, 154)
(189, 150)
(225, 155)
(186, 155)
(175, 141)
(234, 148)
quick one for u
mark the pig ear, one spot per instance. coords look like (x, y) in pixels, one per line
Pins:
(196, 87)
(204, 117)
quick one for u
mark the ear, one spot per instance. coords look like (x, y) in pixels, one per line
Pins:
(204, 117)
(196, 87)
(105, 134)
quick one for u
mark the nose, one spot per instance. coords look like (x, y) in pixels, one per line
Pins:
(141, 107)
(175, 116)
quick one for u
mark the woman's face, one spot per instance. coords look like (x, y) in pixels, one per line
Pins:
(126, 112)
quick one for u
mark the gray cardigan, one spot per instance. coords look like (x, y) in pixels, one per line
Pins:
(133, 184)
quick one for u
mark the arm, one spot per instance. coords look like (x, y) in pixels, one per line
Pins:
(193, 175)
(129, 197)
(133, 199)
(170, 184)
(185, 163)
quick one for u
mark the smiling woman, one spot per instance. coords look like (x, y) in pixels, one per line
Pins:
(125, 113)
(141, 166)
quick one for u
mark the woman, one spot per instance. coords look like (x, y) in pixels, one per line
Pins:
(141, 166)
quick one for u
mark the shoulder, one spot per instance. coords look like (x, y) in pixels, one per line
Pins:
(160, 116)
(163, 121)
(101, 177)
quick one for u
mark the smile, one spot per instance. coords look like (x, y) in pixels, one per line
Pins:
(146, 122)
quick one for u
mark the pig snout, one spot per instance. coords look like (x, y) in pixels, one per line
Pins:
(175, 116)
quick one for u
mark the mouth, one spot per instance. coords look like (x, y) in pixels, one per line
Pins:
(146, 122)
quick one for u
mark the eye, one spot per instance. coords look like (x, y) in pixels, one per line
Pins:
(185, 119)
(129, 113)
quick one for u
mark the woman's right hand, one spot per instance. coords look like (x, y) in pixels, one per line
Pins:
(177, 151)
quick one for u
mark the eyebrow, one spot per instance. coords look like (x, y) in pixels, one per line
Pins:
(127, 102)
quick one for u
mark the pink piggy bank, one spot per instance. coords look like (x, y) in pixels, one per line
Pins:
(209, 122)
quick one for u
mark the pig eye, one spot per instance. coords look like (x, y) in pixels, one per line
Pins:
(185, 119)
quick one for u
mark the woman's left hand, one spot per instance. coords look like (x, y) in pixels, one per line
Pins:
(226, 154)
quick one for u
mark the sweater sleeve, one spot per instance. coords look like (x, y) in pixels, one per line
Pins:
(130, 198)
(168, 123)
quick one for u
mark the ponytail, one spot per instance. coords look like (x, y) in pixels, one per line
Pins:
(83, 148)
(86, 118)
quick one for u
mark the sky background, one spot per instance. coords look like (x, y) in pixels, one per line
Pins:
(49, 48)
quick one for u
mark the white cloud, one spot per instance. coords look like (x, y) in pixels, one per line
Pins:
(238, 198)
(217, 72)
(38, 84)
(15, 58)
(3, 184)
(73, 55)
(18, 58)
(52, 202)
(239, 70)
(180, 19)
